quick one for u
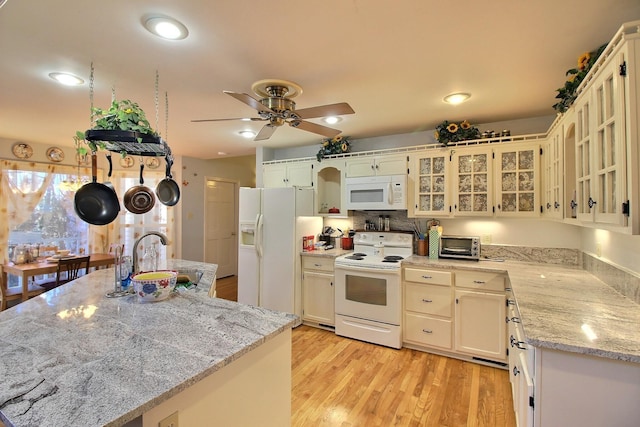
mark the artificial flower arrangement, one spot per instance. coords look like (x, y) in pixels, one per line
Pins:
(337, 145)
(451, 132)
(567, 93)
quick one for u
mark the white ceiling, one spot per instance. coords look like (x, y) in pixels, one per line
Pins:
(393, 62)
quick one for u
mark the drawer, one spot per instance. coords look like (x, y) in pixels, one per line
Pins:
(427, 331)
(317, 263)
(480, 280)
(433, 277)
(428, 299)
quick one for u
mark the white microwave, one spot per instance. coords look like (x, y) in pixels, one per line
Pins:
(376, 192)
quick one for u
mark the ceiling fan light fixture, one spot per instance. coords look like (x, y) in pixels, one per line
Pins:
(332, 120)
(66, 79)
(166, 27)
(457, 98)
(247, 134)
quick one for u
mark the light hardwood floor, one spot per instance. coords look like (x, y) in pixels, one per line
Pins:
(342, 382)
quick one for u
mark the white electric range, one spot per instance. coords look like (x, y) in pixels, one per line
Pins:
(368, 295)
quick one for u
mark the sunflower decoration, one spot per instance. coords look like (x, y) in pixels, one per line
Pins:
(567, 94)
(451, 132)
(337, 145)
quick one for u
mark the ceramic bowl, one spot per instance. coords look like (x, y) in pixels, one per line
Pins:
(154, 285)
(63, 252)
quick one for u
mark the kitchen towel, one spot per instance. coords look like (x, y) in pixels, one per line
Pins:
(434, 242)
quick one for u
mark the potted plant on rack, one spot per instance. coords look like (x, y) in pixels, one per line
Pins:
(124, 122)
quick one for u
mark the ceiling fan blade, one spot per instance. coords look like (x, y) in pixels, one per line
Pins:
(325, 111)
(251, 102)
(265, 133)
(315, 128)
(253, 119)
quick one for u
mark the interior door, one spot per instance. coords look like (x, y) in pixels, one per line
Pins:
(220, 246)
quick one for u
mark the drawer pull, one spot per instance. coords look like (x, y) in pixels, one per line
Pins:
(479, 282)
(427, 331)
(427, 300)
(317, 265)
(517, 344)
(515, 371)
(427, 277)
(512, 319)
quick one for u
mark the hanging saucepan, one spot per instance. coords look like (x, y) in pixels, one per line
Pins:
(139, 199)
(167, 190)
(96, 203)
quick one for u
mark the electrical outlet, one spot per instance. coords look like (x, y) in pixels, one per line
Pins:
(485, 239)
(170, 421)
(599, 249)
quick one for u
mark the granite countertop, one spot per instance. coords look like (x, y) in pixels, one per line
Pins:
(558, 303)
(72, 357)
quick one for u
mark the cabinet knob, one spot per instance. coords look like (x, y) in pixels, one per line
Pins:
(591, 203)
(548, 205)
(556, 205)
(573, 204)
(515, 371)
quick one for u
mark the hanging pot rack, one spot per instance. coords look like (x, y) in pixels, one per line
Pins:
(131, 142)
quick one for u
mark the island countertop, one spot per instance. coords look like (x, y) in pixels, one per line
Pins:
(556, 301)
(72, 357)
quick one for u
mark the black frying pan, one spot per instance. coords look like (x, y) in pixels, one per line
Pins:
(167, 190)
(96, 203)
(139, 199)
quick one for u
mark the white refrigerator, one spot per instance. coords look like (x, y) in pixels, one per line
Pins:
(272, 223)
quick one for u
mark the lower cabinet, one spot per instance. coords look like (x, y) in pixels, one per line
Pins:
(460, 313)
(318, 299)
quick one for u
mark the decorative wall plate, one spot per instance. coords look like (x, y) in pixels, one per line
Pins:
(126, 161)
(22, 150)
(55, 154)
(152, 162)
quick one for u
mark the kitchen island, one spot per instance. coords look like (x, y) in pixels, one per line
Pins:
(72, 357)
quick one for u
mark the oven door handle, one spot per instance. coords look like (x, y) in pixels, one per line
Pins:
(355, 269)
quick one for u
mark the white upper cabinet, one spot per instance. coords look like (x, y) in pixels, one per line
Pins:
(606, 148)
(429, 172)
(389, 164)
(472, 181)
(517, 179)
(287, 174)
(552, 173)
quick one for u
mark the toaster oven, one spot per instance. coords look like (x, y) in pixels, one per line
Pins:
(461, 247)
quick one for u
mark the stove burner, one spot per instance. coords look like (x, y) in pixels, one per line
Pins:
(393, 258)
(358, 258)
(359, 254)
(390, 260)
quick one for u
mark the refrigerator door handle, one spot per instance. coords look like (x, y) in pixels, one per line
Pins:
(258, 237)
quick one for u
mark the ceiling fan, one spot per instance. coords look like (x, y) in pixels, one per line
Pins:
(276, 107)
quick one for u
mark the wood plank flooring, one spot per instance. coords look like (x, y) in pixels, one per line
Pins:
(347, 383)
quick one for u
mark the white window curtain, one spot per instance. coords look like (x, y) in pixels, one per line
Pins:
(22, 186)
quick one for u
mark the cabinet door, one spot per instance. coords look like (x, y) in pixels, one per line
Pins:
(361, 167)
(274, 175)
(391, 165)
(583, 157)
(608, 173)
(472, 183)
(300, 174)
(318, 297)
(553, 175)
(429, 172)
(480, 329)
(517, 175)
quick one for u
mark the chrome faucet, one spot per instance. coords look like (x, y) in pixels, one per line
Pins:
(163, 240)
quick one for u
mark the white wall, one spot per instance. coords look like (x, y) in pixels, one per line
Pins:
(615, 248)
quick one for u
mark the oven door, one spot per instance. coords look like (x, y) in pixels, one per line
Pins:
(368, 293)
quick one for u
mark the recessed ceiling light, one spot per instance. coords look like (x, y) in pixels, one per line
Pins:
(166, 27)
(247, 134)
(456, 98)
(332, 120)
(66, 79)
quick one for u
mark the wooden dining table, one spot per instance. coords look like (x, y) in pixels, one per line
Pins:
(47, 266)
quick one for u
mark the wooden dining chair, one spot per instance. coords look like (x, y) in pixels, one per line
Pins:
(15, 294)
(69, 269)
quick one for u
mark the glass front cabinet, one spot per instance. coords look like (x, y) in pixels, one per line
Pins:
(431, 182)
(472, 170)
(517, 179)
